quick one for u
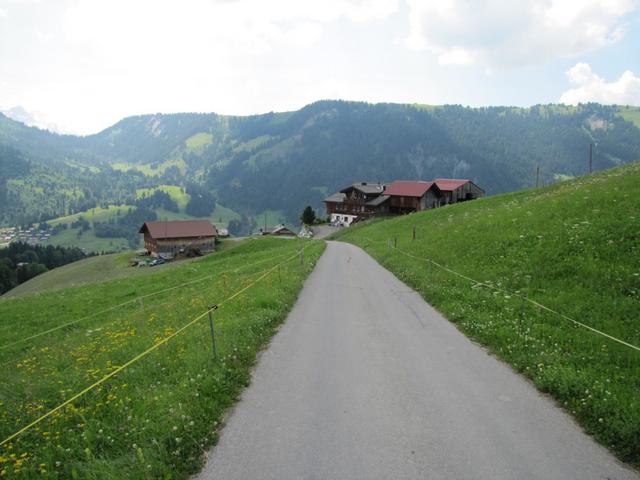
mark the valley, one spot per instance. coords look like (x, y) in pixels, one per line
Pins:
(277, 163)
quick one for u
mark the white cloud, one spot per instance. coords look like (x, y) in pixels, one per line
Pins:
(589, 87)
(504, 33)
(3, 13)
(455, 56)
(89, 63)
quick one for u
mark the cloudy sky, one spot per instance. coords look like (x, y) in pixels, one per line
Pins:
(85, 64)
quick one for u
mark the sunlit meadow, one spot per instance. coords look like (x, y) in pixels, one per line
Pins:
(574, 247)
(156, 418)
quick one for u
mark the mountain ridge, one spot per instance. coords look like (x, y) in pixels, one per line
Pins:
(283, 161)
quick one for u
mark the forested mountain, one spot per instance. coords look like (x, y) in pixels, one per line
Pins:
(284, 161)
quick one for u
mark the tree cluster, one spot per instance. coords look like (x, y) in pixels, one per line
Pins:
(20, 262)
(158, 199)
(201, 201)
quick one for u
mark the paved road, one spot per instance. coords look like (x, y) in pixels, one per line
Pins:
(322, 231)
(367, 381)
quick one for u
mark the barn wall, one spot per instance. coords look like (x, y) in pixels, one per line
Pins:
(174, 245)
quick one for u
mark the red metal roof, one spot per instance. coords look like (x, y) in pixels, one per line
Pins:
(449, 184)
(180, 229)
(405, 188)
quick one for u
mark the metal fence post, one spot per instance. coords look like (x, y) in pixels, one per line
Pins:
(213, 332)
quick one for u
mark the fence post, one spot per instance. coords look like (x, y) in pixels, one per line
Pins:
(414, 233)
(395, 242)
(213, 332)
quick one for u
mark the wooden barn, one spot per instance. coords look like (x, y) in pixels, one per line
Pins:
(413, 196)
(169, 238)
(458, 190)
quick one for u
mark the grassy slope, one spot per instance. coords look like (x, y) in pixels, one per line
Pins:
(573, 247)
(87, 241)
(89, 270)
(101, 268)
(631, 114)
(174, 191)
(198, 141)
(156, 418)
(150, 170)
(97, 214)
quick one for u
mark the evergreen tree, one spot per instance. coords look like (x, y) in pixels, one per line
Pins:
(308, 216)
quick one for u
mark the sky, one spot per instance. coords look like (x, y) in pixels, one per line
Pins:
(84, 64)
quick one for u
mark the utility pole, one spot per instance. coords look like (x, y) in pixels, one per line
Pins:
(537, 175)
(590, 157)
(265, 221)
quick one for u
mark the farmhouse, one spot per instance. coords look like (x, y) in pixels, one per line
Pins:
(408, 196)
(362, 200)
(458, 190)
(358, 200)
(168, 238)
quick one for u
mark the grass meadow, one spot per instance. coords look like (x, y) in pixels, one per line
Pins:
(157, 417)
(574, 247)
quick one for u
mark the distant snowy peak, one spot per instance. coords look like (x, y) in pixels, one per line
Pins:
(31, 119)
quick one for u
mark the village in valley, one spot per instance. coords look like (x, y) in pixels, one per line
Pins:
(31, 235)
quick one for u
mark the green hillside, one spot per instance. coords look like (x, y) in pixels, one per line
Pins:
(100, 268)
(285, 161)
(573, 247)
(163, 405)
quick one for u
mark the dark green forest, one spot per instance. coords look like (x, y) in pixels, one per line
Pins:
(284, 161)
(20, 262)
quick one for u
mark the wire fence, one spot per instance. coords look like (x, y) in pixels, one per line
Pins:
(160, 342)
(392, 244)
(135, 300)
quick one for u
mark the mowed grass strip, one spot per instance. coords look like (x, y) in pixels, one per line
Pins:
(156, 418)
(574, 247)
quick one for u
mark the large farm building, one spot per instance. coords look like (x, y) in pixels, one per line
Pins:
(168, 238)
(363, 199)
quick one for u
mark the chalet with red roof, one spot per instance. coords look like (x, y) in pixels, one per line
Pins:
(458, 190)
(410, 196)
(166, 239)
(362, 199)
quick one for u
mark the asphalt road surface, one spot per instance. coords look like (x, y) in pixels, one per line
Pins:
(367, 381)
